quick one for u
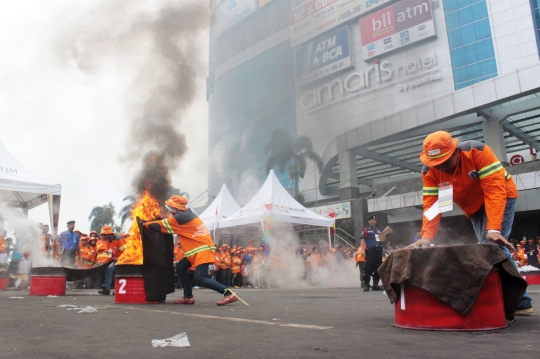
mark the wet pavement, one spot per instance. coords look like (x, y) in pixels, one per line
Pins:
(279, 323)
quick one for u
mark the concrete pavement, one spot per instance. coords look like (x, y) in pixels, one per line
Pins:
(279, 323)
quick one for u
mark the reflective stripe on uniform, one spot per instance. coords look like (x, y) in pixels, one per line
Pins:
(101, 255)
(206, 247)
(507, 175)
(490, 169)
(123, 247)
(88, 263)
(168, 226)
(430, 191)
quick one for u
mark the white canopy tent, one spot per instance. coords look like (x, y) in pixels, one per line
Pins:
(222, 207)
(273, 200)
(19, 187)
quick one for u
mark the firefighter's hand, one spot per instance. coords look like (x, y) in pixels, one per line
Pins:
(419, 243)
(500, 240)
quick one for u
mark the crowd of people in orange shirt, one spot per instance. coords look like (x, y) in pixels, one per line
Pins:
(526, 251)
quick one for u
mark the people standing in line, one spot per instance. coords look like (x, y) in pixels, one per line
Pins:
(69, 245)
(372, 246)
(361, 263)
(469, 174)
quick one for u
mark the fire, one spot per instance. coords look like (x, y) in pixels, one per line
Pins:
(146, 208)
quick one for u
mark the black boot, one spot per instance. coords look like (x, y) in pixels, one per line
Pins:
(366, 287)
(376, 288)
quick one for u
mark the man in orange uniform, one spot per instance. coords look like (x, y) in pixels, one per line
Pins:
(108, 250)
(469, 174)
(361, 263)
(197, 245)
(236, 263)
(225, 266)
(250, 247)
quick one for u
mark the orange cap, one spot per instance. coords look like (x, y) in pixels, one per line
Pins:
(438, 147)
(107, 230)
(177, 202)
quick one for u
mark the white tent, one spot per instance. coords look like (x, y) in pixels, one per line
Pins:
(22, 188)
(222, 207)
(274, 200)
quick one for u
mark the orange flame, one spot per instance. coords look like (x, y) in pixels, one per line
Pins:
(146, 208)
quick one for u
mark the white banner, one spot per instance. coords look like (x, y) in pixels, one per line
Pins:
(335, 211)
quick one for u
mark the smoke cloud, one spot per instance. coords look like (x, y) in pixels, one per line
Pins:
(158, 41)
(26, 234)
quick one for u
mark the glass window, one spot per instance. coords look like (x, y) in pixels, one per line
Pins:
(536, 19)
(470, 41)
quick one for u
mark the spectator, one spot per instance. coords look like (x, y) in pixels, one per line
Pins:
(69, 243)
(531, 250)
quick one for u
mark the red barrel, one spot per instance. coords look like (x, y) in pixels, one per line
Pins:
(47, 285)
(130, 289)
(531, 277)
(419, 309)
(4, 282)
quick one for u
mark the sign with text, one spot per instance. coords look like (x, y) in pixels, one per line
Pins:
(229, 12)
(335, 211)
(396, 26)
(326, 55)
(314, 17)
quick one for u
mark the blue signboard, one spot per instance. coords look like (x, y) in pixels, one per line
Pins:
(324, 56)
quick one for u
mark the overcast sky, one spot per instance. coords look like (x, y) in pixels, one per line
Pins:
(71, 124)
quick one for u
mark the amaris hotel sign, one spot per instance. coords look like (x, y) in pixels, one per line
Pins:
(406, 75)
(313, 17)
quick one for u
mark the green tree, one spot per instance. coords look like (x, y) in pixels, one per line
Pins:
(101, 216)
(284, 150)
(125, 212)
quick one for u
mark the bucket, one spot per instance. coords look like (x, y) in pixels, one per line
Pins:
(48, 285)
(418, 309)
(4, 282)
(129, 286)
(531, 277)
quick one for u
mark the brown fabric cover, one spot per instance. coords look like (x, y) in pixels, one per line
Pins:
(454, 274)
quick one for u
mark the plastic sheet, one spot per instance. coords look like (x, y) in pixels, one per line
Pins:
(88, 310)
(179, 341)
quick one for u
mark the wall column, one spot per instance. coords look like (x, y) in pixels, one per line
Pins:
(348, 187)
(494, 138)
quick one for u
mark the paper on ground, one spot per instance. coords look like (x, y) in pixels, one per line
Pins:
(88, 310)
(65, 305)
(179, 341)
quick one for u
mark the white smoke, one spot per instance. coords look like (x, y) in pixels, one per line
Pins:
(25, 233)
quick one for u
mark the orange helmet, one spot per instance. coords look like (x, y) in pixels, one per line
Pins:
(107, 230)
(177, 203)
(438, 147)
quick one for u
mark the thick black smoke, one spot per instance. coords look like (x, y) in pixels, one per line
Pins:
(165, 44)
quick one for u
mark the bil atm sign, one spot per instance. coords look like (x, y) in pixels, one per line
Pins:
(322, 57)
(313, 17)
(396, 26)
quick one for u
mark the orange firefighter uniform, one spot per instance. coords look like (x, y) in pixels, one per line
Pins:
(192, 235)
(479, 180)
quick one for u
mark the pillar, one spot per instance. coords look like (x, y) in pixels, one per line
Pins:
(348, 187)
(494, 138)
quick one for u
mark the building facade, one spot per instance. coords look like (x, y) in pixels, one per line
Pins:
(367, 80)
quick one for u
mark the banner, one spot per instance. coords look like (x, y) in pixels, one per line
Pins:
(229, 12)
(326, 55)
(335, 211)
(314, 17)
(396, 26)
